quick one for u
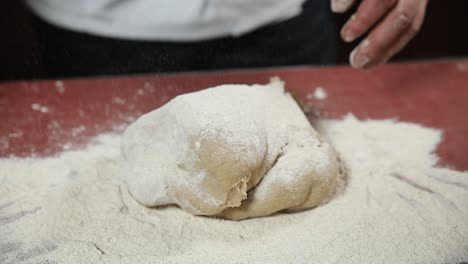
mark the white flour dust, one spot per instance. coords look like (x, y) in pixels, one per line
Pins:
(396, 208)
(60, 87)
(39, 108)
(318, 94)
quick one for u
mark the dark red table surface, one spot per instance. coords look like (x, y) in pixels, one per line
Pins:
(433, 94)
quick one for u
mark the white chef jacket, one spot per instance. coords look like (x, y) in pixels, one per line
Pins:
(165, 20)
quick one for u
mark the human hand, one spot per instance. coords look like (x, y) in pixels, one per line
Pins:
(389, 24)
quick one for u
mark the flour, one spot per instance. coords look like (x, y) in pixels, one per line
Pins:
(318, 94)
(60, 87)
(39, 108)
(396, 208)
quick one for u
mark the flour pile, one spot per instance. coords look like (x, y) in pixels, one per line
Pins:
(396, 208)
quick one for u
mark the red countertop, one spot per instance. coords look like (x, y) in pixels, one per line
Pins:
(41, 118)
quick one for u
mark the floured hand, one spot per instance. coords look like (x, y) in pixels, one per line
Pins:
(389, 24)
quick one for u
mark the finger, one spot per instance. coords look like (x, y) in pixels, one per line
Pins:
(385, 34)
(367, 15)
(409, 34)
(341, 6)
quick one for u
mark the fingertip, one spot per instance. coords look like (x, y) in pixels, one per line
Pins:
(357, 62)
(359, 57)
(340, 6)
(348, 36)
(351, 56)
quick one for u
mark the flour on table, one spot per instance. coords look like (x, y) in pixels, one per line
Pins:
(39, 108)
(232, 151)
(318, 94)
(59, 86)
(397, 207)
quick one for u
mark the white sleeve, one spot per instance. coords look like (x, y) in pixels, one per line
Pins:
(189, 20)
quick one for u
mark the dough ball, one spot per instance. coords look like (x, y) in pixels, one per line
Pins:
(232, 151)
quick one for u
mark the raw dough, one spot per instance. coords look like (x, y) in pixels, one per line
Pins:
(232, 151)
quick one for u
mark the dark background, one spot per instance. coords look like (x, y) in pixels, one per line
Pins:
(443, 35)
